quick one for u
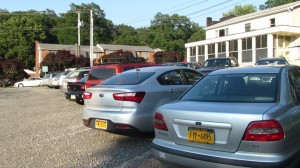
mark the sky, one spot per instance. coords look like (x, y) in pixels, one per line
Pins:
(137, 13)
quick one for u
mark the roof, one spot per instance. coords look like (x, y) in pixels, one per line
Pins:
(47, 46)
(255, 15)
(112, 47)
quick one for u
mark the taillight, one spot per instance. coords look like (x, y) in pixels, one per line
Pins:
(270, 130)
(87, 95)
(130, 96)
(87, 85)
(159, 122)
(82, 87)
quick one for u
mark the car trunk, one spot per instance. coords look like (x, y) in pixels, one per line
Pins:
(103, 100)
(221, 125)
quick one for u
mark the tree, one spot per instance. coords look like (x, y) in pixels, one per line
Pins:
(198, 36)
(67, 25)
(240, 10)
(11, 70)
(126, 35)
(121, 56)
(17, 38)
(273, 3)
(62, 60)
(169, 56)
(168, 32)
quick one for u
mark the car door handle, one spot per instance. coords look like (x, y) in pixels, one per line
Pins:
(172, 91)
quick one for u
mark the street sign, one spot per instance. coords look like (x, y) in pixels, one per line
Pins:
(44, 68)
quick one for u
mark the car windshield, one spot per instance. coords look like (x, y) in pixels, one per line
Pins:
(129, 78)
(248, 88)
(217, 62)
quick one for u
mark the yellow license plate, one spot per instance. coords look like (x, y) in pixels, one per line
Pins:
(201, 135)
(101, 124)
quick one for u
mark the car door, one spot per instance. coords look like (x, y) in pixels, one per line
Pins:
(173, 84)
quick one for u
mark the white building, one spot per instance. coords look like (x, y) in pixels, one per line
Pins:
(269, 33)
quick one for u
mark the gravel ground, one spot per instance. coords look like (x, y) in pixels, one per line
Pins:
(40, 128)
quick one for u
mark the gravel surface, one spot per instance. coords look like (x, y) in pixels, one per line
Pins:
(40, 128)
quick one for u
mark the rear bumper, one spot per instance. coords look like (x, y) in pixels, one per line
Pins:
(137, 121)
(174, 154)
(72, 94)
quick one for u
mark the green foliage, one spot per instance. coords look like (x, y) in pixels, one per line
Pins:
(67, 32)
(11, 70)
(273, 3)
(198, 36)
(126, 35)
(240, 10)
(168, 32)
(62, 60)
(17, 38)
(169, 56)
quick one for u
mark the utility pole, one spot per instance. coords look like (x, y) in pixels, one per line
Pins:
(91, 39)
(78, 26)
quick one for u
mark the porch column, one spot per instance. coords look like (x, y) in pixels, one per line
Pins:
(188, 54)
(205, 52)
(216, 50)
(240, 53)
(197, 53)
(270, 45)
(253, 50)
(227, 48)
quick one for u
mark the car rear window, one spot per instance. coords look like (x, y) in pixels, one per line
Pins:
(129, 78)
(101, 73)
(248, 88)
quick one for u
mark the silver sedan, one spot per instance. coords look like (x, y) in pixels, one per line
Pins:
(239, 117)
(126, 102)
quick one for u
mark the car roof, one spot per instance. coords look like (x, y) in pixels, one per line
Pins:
(159, 68)
(251, 69)
(277, 58)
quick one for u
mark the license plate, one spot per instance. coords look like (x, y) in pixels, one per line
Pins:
(101, 124)
(201, 135)
(73, 97)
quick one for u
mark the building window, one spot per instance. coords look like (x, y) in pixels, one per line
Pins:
(222, 47)
(193, 51)
(261, 41)
(247, 44)
(211, 50)
(222, 33)
(226, 31)
(284, 41)
(201, 50)
(272, 22)
(233, 48)
(247, 27)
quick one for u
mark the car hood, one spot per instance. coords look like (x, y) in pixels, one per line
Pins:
(228, 121)
(205, 69)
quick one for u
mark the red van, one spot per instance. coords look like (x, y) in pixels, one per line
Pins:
(99, 73)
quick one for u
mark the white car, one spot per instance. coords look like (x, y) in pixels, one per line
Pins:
(32, 81)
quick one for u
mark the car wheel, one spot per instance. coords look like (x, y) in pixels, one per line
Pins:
(20, 85)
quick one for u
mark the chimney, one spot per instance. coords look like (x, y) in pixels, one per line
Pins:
(208, 21)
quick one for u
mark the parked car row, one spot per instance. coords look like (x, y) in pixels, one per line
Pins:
(224, 117)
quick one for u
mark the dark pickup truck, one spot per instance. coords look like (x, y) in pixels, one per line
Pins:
(213, 64)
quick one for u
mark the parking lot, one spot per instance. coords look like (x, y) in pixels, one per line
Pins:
(40, 128)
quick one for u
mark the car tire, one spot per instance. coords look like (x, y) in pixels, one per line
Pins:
(20, 85)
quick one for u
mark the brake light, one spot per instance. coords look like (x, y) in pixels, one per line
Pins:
(87, 95)
(87, 85)
(270, 130)
(82, 87)
(130, 96)
(159, 122)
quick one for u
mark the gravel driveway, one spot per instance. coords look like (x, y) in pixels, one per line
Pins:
(40, 128)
